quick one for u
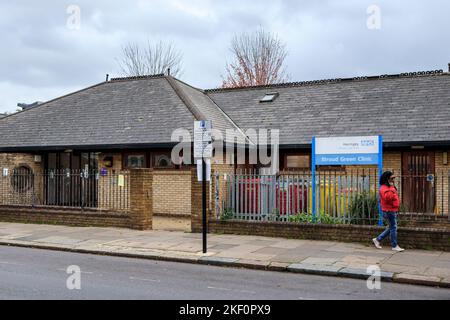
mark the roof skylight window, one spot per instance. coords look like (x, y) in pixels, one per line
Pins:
(269, 97)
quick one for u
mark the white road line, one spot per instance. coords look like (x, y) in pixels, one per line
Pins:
(85, 272)
(220, 289)
(147, 280)
(11, 263)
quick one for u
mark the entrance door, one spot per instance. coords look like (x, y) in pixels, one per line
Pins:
(71, 179)
(418, 192)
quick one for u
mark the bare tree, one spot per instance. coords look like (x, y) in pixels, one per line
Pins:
(258, 59)
(155, 58)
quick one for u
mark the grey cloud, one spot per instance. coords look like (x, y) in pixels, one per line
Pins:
(41, 58)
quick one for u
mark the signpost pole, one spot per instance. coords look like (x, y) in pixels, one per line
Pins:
(205, 224)
(313, 179)
(203, 151)
(380, 172)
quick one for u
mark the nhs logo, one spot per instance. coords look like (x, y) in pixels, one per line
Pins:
(368, 143)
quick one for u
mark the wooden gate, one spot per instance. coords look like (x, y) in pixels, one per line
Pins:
(418, 188)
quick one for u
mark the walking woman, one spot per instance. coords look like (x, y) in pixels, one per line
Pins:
(390, 205)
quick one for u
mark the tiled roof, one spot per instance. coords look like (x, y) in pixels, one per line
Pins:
(140, 111)
(123, 111)
(202, 106)
(402, 108)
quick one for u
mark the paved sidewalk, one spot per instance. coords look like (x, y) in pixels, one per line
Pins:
(275, 254)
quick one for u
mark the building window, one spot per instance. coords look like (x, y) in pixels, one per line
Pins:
(22, 179)
(135, 161)
(298, 162)
(162, 161)
(269, 97)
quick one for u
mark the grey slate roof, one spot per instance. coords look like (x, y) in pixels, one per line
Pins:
(146, 110)
(202, 106)
(139, 111)
(402, 109)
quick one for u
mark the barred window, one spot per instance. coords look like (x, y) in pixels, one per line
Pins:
(22, 179)
(163, 161)
(133, 161)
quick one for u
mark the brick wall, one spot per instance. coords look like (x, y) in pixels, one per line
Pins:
(171, 188)
(12, 160)
(55, 216)
(424, 221)
(442, 184)
(392, 161)
(172, 192)
(141, 199)
(139, 216)
(8, 195)
(410, 238)
(110, 194)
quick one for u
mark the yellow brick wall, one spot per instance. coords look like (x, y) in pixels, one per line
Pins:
(10, 196)
(141, 205)
(172, 192)
(441, 184)
(392, 161)
(171, 188)
(111, 195)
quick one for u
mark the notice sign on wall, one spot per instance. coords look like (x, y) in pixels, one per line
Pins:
(203, 150)
(347, 151)
(202, 139)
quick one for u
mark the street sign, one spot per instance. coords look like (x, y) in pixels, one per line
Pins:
(203, 154)
(202, 139)
(347, 151)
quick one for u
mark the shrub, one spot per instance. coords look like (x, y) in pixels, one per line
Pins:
(227, 214)
(363, 209)
(307, 218)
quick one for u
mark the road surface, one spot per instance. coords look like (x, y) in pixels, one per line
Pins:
(40, 274)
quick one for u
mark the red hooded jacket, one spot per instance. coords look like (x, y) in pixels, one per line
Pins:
(390, 201)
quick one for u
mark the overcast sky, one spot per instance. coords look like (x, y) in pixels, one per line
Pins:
(44, 55)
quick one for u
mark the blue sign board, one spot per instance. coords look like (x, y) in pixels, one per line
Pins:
(347, 160)
(346, 151)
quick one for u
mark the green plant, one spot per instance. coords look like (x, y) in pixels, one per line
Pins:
(301, 218)
(327, 219)
(363, 209)
(227, 214)
(307, 218)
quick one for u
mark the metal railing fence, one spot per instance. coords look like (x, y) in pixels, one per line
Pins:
(341, 197)
(102, 190)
